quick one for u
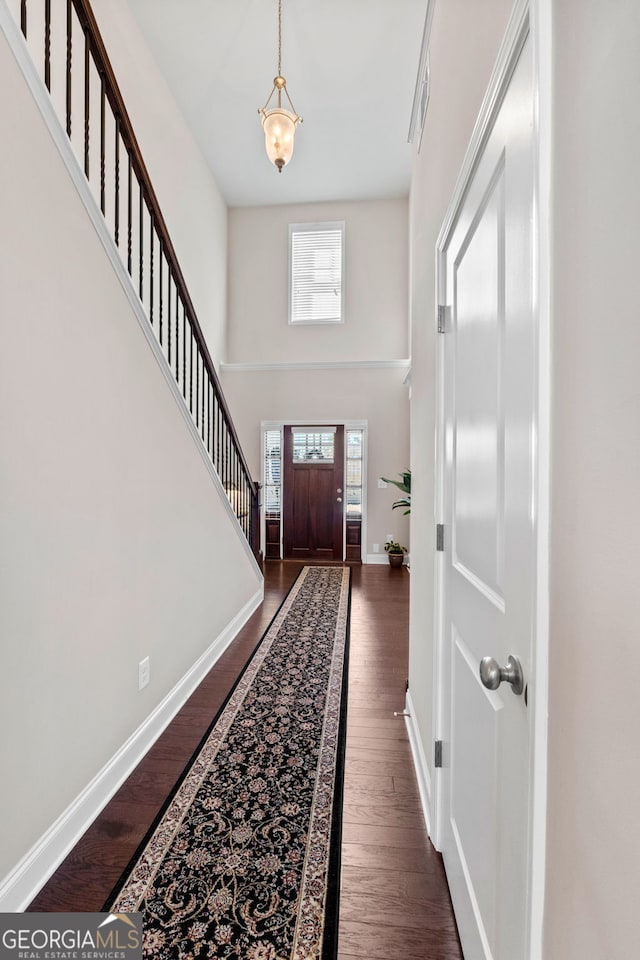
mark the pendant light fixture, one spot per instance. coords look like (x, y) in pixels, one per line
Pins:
(278, 123)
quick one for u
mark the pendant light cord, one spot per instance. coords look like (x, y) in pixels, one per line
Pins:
(279, 38)
(279, 83)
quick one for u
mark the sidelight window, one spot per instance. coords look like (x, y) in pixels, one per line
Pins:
(272, 491)
(354, 475)
(272, 495)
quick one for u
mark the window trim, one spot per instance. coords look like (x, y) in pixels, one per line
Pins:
(315, 226)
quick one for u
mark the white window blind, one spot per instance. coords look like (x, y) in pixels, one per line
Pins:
(272, 474)
(316, 262)
(354, 476)
(314, 445)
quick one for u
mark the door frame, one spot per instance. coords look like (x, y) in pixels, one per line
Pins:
(529, 18)
(348, 425)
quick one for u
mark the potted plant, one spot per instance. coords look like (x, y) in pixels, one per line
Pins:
(395, 552)
(405, 486)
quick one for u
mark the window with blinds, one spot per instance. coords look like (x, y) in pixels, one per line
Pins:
(354, 476)
(310, 444)
(272, 481)
(316, 269)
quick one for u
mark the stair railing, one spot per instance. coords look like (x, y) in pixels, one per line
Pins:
(91, 107)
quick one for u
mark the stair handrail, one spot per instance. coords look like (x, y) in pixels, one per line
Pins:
(223, 444)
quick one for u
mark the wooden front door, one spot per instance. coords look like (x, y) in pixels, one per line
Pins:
(313, 498)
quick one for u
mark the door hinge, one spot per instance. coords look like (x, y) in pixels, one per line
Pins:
(437, 754)
(440, 537)
(443, 313)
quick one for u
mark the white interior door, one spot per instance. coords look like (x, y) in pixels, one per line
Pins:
(488, 496)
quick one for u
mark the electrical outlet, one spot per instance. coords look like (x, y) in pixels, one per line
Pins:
(144, 672)
(382, 485)
(389, 538)
(376, 548)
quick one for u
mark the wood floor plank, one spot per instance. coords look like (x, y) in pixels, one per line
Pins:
(394, 812)
(364, 785)
(377, 765)
(368, 678)
(376, 941)
(392, 700)
(364, 747)
(383, 857)
(389, 728)
(419, 889)
(406, 786)
(400, 838)
(394, 911)
(363, 711)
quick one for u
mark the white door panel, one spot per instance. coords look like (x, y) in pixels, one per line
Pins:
(478, 499)
(474, 825)
(489, 558)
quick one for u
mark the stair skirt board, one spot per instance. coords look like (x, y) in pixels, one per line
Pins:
(20, 886)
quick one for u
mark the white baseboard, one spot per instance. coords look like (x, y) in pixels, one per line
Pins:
(382, 558)
(21, 885)
(419, 762)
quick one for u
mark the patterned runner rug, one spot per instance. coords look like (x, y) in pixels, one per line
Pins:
(244, 862)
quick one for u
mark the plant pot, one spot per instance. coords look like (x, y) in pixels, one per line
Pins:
(396, 559)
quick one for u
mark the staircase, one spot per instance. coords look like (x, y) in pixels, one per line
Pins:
(73, 64)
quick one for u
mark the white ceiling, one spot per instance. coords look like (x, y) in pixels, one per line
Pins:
(350, 67)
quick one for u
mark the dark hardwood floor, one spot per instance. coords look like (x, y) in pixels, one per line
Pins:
(394, 902)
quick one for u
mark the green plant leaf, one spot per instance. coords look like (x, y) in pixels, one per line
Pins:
(405, 486)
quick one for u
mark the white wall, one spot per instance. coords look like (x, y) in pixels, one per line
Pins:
(376, 252)
(191, 203)
(465, 38)
(593, 865)
(115, 543)
(375, 329)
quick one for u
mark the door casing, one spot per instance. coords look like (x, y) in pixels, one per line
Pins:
(348, 425)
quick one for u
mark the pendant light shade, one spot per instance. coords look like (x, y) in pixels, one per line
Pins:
(279, 127)
(278, 123)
